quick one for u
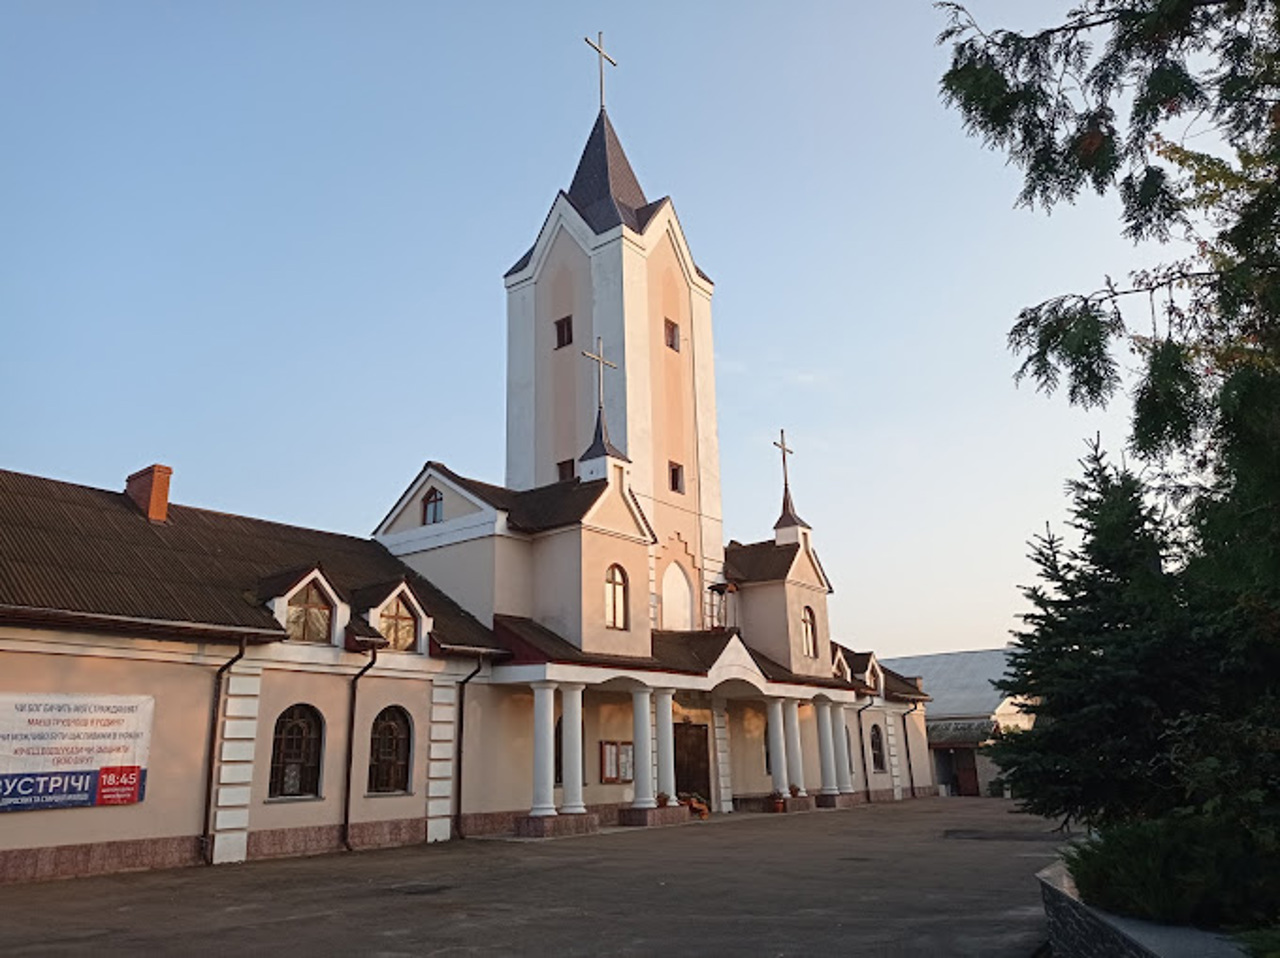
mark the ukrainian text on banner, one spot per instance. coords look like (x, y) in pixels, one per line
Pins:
(69, 751)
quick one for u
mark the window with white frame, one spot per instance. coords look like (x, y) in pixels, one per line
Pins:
(310, 615)
(615, 598)
(399, 624)
(809, 625)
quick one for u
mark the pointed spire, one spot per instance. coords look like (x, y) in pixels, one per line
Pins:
(788, 519)
(600, 444)
(604, 188)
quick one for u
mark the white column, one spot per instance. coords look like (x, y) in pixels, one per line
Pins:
(777, 746)
(571, 749)
(544, 749)
(795, 760)
(666, 741)
(841, 741)
(643, 745)
(826, 748)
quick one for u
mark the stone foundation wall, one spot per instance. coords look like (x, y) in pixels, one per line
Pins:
(321, 839)
(98, 858)
(1075, 931)
(504, 823)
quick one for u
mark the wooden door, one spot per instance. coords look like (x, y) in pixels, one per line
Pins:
(966, 772)
(693, 760)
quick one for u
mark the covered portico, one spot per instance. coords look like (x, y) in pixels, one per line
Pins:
(761, 735)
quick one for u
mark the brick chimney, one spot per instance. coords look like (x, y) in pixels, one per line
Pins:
(149, 490)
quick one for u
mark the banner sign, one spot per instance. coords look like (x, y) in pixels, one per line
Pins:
(69, 751)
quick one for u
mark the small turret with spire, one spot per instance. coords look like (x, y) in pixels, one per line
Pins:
(595, 461)
(789, 525)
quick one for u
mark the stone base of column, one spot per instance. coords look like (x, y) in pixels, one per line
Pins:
(800, 803)
(838, 801)
(556, 826)
(649, 817)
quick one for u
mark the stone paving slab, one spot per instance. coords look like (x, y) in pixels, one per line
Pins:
(876, 880)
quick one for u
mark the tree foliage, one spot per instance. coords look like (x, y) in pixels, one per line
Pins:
(1093, 661)
(1157, 683)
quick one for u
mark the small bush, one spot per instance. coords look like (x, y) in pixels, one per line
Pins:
(1192, 870)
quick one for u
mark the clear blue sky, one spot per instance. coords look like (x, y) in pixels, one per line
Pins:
(263, 243)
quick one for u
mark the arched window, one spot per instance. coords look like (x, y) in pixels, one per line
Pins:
(389, 743)
(399, 625)
(615, 598)
(310, 615)
(810, 625)
(432, 507)
(295, 753)
(877, 748)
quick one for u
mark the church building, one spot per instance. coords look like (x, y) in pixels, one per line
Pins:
(573, 648)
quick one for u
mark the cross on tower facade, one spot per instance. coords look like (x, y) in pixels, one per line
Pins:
(598, 358)
(598, 46)
(782, 445)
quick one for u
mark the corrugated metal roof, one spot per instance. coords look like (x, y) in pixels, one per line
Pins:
(74, 549)
(960, 682)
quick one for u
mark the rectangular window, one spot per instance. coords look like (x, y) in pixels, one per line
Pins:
(676, 473)
(671, 333)
(564, 332)
(564, 470)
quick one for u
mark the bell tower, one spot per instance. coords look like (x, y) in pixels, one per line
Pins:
(611, 267)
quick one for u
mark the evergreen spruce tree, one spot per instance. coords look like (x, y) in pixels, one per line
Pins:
(1094, 664)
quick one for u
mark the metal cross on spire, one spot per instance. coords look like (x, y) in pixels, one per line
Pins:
(782, 444)
(598, 358)
(598, 46)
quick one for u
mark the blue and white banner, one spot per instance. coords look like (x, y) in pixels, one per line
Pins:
(70, 751)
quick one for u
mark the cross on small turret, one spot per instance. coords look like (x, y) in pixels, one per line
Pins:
(782, 444)
(598, 358)
(598, 46)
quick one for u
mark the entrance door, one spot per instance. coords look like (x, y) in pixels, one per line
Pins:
(966, 772)
(693, 760)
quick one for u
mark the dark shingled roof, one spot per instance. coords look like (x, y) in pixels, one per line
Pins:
(901, 688)
(789, 517)
(775, 672)
(758, 561)
(691, 651)
(531, 642)
(533, 510)
(605, 190)
(600, 444)
(76, 555)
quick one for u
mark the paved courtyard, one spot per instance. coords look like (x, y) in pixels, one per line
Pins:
(934, 877)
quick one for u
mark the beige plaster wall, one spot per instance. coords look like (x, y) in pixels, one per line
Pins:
(562, 377)
(607, 718)
(599, 551)
(671, 381)
(877, 780)
(376, 693)
(557, 584)
(452, 505)
(513, 576)
(800, 595)
(499, 722)
(762, 616)
(463, 570)
(748, 722)
(921, 761)
(327, 693)
(175, 793)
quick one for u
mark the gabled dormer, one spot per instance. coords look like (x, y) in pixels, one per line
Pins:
(393, 610)
(307, 605)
